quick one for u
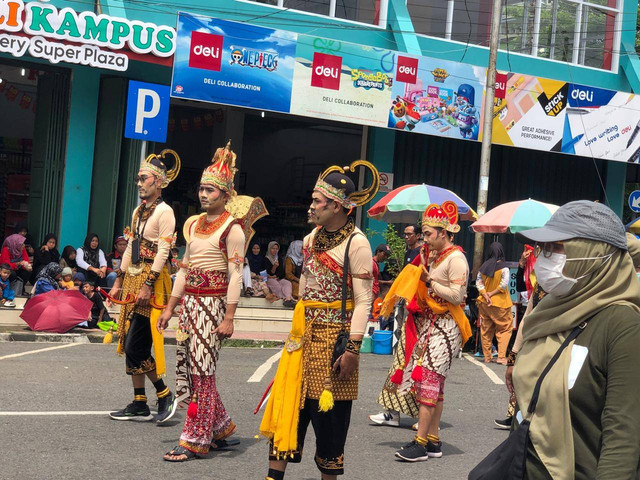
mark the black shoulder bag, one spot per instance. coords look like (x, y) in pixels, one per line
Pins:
(343, 337)
(508, 460)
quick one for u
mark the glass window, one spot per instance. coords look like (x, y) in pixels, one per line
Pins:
(365, 11)
(429, 17)
(313, 6)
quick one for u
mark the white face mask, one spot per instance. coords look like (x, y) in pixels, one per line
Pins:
(549, 273)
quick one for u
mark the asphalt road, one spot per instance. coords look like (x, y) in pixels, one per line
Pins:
(90, 378)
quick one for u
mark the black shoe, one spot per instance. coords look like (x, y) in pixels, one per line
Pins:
(135, 411)
(504, 424)
(434, 450)
(413, 452)
(167, 407)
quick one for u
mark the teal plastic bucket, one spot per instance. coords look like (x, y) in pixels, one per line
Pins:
(382, 342)
(366, 344)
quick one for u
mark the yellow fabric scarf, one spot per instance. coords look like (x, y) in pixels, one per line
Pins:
(408, 285)
(280, 420)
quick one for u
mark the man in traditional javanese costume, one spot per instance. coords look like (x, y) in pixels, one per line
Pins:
(210, 281)
(143, 284)
(317, 377)
(434, 332)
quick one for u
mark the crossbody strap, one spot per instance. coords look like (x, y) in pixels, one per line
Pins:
(536, 391)
(345, 273)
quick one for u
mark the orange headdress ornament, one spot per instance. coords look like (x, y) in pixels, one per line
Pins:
(442, 216)
(222, 170)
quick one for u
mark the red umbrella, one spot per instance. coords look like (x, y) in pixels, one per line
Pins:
(56, 311)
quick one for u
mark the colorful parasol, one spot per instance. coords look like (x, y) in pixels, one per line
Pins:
(515, 217)
(634, 226)
(407, 203)
(56, 311)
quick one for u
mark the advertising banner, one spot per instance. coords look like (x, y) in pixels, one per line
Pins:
(602, 124)
(233, 63)
(341, 81)
(531, 114)
(436, 97)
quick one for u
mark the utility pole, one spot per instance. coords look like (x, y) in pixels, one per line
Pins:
(487, 129)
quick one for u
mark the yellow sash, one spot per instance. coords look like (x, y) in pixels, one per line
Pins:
(280, 420)
(408, 285)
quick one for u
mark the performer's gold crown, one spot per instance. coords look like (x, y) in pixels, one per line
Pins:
(442, 216)
(155, 163)
(222, 169)
(336, 187)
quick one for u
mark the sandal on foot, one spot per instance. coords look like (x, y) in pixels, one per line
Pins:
(177, 451)
(225, 444)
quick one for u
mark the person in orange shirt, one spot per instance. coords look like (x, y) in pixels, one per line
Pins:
(494, 304)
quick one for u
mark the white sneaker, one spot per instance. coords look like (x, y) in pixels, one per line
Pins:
(389, 417)
(9, 304)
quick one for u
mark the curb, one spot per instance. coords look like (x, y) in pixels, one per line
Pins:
(98, 338)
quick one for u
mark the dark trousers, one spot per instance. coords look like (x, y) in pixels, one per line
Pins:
(330, 429)
(137, 346)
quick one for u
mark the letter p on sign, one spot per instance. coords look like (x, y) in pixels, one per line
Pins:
(147, 112)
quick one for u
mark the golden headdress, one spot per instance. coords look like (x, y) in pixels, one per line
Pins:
(334, 184)
(155, 163)
(442, 216)
(222, 170)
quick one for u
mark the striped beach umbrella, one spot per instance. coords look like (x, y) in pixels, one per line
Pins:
(515, 217)
(405, 204)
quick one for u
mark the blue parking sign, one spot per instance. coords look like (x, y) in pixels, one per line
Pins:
(147, 111)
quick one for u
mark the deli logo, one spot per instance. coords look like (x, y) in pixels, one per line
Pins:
(583, 95)
(325, 71)
(407, 70)
(206, 51)
(501, 85)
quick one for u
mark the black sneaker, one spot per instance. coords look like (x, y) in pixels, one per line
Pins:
(434, 450)
(504, 424)
(135, 411)
(413, 452)
(167, 407)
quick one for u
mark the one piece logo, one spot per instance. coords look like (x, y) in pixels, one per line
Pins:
(407, 70)
(325, 71)
(206, 51)
(247, 57)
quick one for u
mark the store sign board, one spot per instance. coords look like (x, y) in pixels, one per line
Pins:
(96, 38)
(147, 111)
(341, 81)
(233, 63)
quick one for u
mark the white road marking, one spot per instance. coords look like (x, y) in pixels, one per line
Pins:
(48, 414)
(14, 355)
(263, 369)
(490, 373)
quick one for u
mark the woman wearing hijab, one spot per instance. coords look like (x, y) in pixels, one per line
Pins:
(46, 254)
(47, 279)
(91, 261)
(15, 255)
(587, 421)
(494, 304)
(279, 286)
(293, 266)
(255, 264)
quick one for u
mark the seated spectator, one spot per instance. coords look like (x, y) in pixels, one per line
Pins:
(174, 262)
(91, 261)
(69, 260)
(15, 255)
(98, 310)
(114, 259)
(46, 254)
(255, 264)
(48, 279)
(8, 295)
(279, 286)
(67, 279)
(21, 229)
(293, 266)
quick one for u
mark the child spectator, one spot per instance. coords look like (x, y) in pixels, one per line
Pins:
(8, 295)
(114, 259)
(98, 310)
(67, 279)
(175, 263)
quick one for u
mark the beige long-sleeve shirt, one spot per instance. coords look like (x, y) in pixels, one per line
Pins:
(360, 267)
(159, 230)
(449, 277)
(205, 254)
